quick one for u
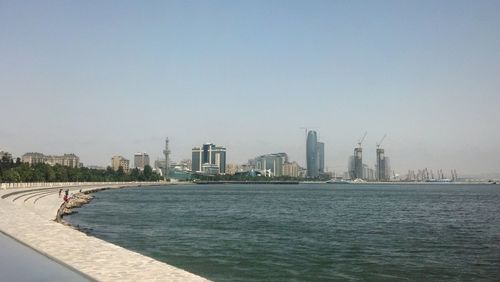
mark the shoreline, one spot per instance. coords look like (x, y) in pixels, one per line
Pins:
(31, 222)
(77, 200)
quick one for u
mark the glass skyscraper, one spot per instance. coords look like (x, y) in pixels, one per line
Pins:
(321, 157)
(312, 156)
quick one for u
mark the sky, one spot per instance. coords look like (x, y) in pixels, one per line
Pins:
(105, 78)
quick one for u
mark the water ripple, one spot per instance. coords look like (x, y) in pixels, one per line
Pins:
(307, 233)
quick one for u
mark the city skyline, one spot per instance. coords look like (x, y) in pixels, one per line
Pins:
(249, 75)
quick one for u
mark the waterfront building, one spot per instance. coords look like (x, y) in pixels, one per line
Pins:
(188, 163)
(321, 157)
(70, 160)
(291, 169)
(233, 168)
(119, 161)
(211, 155)
(358, 163)
(210, 169)
(368, 173)
(312, 154)
(141, 160)
(350, 168)
(159, 166)
(383, 170)
(272, 163)
(315, 155)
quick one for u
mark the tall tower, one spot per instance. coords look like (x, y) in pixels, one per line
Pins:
(358, 162)
(381, 168)
(312, 154)
(321, 157)
(166, 153)
(382, 162)
(358, 159)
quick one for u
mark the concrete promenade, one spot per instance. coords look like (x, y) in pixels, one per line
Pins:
(28, 214)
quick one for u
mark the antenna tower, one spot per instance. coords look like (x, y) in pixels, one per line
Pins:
(166, 153)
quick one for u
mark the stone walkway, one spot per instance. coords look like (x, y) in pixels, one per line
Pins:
(28, 215)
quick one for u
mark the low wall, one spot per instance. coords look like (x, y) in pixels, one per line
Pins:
(6, 186)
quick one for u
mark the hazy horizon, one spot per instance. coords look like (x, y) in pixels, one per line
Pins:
(100, 79)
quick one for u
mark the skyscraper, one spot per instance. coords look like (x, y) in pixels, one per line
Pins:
(209, 158)
(321, 157)
(383, 166)
(312, 154)
(358, 163)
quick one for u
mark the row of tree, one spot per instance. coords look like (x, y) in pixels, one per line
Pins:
(17, 171)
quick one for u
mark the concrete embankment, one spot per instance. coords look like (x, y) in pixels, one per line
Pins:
(27, 214)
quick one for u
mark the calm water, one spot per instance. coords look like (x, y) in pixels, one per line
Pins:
(307, 232)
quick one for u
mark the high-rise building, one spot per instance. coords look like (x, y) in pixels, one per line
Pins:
(312, 154)
(383, 166)
(381, 176)
(315, 155)
(207, 157)
(141, 160)
(119, 161)
(358, 163)
(70, 160)
(272, 162)
(321, 157)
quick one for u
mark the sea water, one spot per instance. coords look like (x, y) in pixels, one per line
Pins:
(307, 232)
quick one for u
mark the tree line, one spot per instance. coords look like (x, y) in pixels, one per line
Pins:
(17, 171)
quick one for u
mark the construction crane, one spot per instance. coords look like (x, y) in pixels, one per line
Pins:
(381, 140)
(362, 139)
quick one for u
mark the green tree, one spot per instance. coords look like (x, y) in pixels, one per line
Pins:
(148, 173)
(50, 174)
(61, 173)
(134, 174)
(120, 174)
(12, 175)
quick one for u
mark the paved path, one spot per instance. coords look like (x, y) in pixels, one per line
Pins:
(28, 215)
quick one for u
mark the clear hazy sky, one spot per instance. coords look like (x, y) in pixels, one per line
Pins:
(104, 78)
